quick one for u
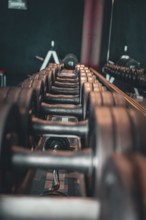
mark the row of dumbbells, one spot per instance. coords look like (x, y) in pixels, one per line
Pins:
(95, 106)
(135, 77)
(36, 100)
(72, 96)
(107, 128)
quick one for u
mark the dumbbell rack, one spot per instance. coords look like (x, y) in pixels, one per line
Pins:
(133, 78)
(131, 102)
(73, 122)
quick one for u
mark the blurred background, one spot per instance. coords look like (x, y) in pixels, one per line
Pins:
(94, 30)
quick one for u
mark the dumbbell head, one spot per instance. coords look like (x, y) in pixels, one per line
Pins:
(37, 85)
(99, 98)
(11, 134)
(115, 129)
(42, 76)
(104, 98)
(70, 61)
(27, 101)
(122, 188)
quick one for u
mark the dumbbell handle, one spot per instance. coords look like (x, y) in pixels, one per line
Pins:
(67, 80)
(67, 110)
(66, 91)
(66, 85)
(67, 75)
(40, 126)
(65, 99)
(12, 207)
(81, 161)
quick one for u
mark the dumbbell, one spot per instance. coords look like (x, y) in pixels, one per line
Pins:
(76, 99)
(26, 97)
(62, 72)
(54, 79)
(66, 80)
(109, 133)
(51, 73)
(49, 98)
(39, 126)
(135, 77)
(46, 77)
(128, 62)
(105, 99)
(90, 100)
(27, 101)
(57, 90)
(70, 61)
(43, 76)
(60, 77)
(72, 74)
(122, 189)
(52, 88)
(70, 110)
(127, 187)
(70, 99)
(79, 71)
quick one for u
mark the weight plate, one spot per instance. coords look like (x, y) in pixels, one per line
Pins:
(119, 191)
(57, 143)
(11, 134)
(107, 98)
(101, 140)
(13, 94)
(42, 77)
(3, 93)
(70, 61)
(28, 105)
(82, 81)
(87, 88)
(119, 100)
(138, 122)
(123, 137)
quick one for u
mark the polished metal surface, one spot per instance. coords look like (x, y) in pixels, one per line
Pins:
(79, 129)
(63, 160)
(48, 208)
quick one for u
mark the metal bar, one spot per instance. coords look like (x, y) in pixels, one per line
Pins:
(67, 110)
(78, 129)
(75, 160)
(65, 99)
(12, 207)
(59, 90)
(113, 88)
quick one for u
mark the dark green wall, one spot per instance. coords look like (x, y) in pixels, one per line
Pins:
(129, 28)
(25, 34)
